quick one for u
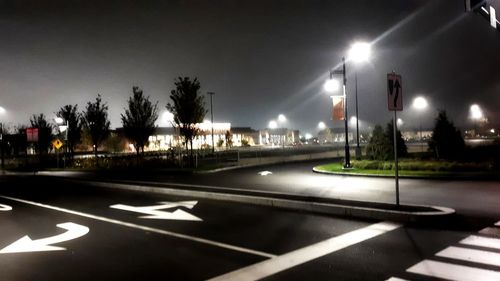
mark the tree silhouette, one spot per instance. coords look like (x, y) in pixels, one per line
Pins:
(70, 115)
(381, 143)
(44, 132)
(139, 119)
(95, 122)
(188, 108)
(447, 141)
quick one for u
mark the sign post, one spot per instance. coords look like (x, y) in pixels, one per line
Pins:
(395, 103)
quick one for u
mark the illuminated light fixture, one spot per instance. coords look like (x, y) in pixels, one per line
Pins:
(331, 85)
(273, 124)
(168, 116)
(476, 112)
(400, 122)
(281, 118)
(360, 52)
(2, 110)
(321, 125)
(308, 136)
(353, 120)
(420, 103)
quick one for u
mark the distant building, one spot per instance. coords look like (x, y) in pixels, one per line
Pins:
(278, 136)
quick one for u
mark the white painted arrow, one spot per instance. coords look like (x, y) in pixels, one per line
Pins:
(5, 207)
(25, 244)
(155, 213)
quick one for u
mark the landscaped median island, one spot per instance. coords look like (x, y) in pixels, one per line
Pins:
(414, 168)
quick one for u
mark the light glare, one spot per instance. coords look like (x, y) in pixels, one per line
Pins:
(331, 85)
(476, 112)
(321, 125)
(420, 103)
(2, 110)
(273, 124)
(360, 52)
(281, 118)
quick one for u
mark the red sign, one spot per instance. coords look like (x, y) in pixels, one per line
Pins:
(338, 108)
(32, 134)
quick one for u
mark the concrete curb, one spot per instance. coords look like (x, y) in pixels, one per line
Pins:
(257, 198)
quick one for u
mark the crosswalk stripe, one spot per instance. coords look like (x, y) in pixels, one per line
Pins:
(471, 255)
(280, 263)
(396, 279)
(482, 241)
(453, 272)
(493, 231)
(498, 223)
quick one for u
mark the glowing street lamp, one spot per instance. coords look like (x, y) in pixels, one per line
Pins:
(476, 114)
(273, 124)
(281, 118)
(359, 52)
(321, 125)
(420, 104)
(331, 85)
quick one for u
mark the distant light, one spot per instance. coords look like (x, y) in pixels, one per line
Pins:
(420, 103)
(331, 85)
(321, 125)
(308, 136)
(476, 112)
(131, 146)
(492, 131)
(281, 118)
(273, 124)
(167, 116)
(206, 121)
(360, 52)
(59, 120)
(2, 110)
(352, 120)
(400, 122)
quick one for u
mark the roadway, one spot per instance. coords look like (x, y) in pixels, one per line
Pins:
(125, 235)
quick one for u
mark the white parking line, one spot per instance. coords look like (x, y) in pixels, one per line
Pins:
(482, 242)
(471, 255)
(453, 272)
(498, 223)
(493, 231)
(145, 228)
(268, 267)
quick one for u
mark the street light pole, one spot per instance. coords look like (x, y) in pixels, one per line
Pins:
(358, 148)
(347, 163)
(1, 144)
(212, 120)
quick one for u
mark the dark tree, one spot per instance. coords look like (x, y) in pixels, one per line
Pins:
(381, 143)
(389, 132)
(74, 131)
(447, 141)
(44, 132)
(95, 122)
(379, 147)
(188, 108)
(139, 119)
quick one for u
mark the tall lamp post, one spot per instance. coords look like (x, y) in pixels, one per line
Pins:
(330, 86)
(65, 129)
(359, 52)
(211, 94)
(420, 104)
(2, 111)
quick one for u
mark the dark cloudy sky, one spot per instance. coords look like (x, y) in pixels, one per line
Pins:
(260, 57)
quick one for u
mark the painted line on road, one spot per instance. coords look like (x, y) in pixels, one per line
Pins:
(493, 231)
(453, 272)
(277, 264)
(146, 228)
(471, 255)
(486, 242)
(396, 279)
(497, 223)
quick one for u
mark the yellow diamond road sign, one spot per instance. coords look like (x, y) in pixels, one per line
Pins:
(57, 143)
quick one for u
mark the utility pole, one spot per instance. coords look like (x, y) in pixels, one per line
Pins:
(347, 163)
(212, 120)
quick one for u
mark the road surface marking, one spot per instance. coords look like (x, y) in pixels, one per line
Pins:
(493, 231)
(155, 213)
(145, 228)
(498, 223)
(5, 207)
(471, 255)
(277, 264)
(482, 242)
(265, 173)
(453, 271)
(25, 244)
(396, 279)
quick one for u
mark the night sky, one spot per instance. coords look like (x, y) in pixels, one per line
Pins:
(261, 58)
